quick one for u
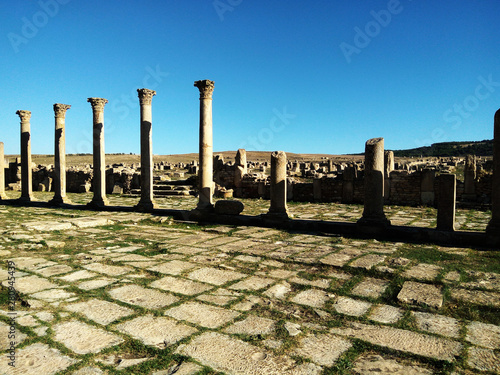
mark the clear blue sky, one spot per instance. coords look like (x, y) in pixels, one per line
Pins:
(311, 77)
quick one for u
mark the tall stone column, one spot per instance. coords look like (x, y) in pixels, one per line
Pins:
(205, 201)
(278, 206)
(147, 202)
(470, 178)
(447, 202)
(493, 229)
(2, 173)
(26, 173)
(99, 163)
(240, 169)
(60, 155)
(373, 213)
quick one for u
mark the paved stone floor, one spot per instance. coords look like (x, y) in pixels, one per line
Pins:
(130, 293)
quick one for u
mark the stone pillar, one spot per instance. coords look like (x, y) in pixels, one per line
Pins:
(240, 169)
(99, 166)
(205, 201)
(60, 155)
(278, 185)
(26, 172)
(388, 168)
(147, 202)
(427, 196)
(373, 213)
(493, 229)
(446, 202)
(470, 178)
(2, 173)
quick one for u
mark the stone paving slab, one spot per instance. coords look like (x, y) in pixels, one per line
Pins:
(31, 284)
(370, 287)
(385, 314)
(252, 325)
(477, 297)
(102, 312)
(311, 297)
(403, 340)
(202, 314)
(373, 364)
(233, 356)
(156, 331)
(181, 286)
(415, 293)
(215, 276)
(323, 350)
(174, 267)
(484, 360)
(107, 269)
(252, 283)
(82, 338)
(423, 271)
(482, 334)
(36, 359)
(137, 295)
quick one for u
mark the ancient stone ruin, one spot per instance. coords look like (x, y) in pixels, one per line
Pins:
(374, 182)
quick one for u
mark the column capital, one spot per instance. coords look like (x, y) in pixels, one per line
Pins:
(97, 103)
(206, 88)
(24, 115)
(60, 109)
(145, 95)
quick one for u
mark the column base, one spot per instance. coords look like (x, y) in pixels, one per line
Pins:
(275, 216)
(58, 201)
(493, 233)
(146, 206)
(3, 196)
(98, 203)
(377, 222)
(26, 199)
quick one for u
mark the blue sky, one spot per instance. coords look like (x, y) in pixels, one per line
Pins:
(308, 77)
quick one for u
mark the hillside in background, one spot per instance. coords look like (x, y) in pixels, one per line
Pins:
(479, 148)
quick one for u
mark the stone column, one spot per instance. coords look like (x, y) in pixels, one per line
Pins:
(493, 229)
(240, 169)
(26, 172)
(373, 213)
(2, 173)
(446, 202)
(205, 201)
(388, 168)
(469, 178)
(147, 202)
(278, 185)
(60, 155)
(99, 166)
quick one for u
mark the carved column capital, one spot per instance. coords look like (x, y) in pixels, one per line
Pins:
(206, 88)
(60, 110)
(97, 103)
(24, 115)
(146, 96)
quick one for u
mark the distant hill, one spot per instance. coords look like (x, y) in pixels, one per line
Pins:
(479, 148)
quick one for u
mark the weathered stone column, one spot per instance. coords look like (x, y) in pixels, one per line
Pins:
(493, 229)
(373, 213)
(60, 155)
(447, 201)
(240, 169)
(469, 178)
(2, 173)
(26, 173)
(99, 163)
(278, 206)
(147, 202)
(205, 201)
(388, 168)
